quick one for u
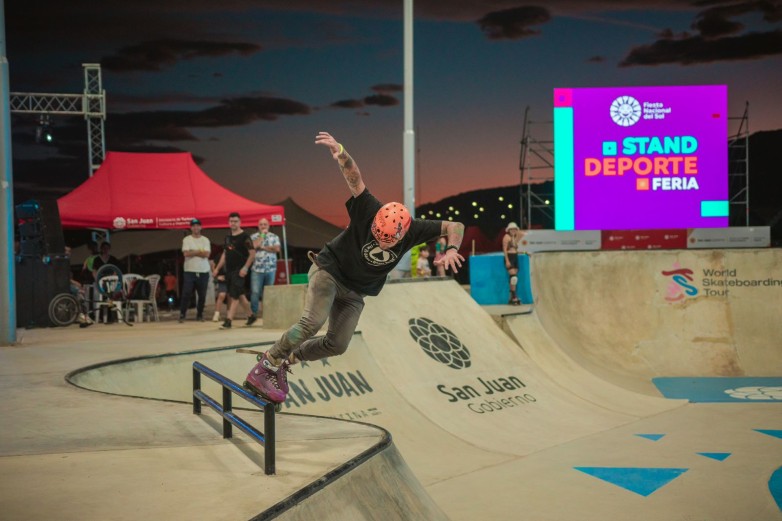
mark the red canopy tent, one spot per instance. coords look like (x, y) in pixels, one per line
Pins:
(133, 191)
(156, 191)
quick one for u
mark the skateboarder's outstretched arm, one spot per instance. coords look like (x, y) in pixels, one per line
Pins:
(346, 164)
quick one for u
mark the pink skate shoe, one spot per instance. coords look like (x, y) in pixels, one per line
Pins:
(264, 380)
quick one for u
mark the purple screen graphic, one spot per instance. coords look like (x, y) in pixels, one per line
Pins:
(649, 157)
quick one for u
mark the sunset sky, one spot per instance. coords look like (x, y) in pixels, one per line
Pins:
(245, 85)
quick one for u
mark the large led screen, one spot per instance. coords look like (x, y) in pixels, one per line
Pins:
(634, 158)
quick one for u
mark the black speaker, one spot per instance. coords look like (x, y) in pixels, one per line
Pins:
(40, 228)
(37, 282)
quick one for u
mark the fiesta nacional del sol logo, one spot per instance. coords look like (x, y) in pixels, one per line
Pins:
(625, 111)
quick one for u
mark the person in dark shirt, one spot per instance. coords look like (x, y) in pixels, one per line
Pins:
(105, 257)
(238, 255)
(354, 264)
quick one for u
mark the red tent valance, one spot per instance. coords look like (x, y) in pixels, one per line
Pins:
(156, 191)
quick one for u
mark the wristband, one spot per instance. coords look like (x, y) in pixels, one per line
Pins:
(341, 149)
(451, 247)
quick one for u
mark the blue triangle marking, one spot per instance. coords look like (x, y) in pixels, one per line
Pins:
(775, 486)
(653, 437)
(642, 481)
(719, 456)
(770, 432)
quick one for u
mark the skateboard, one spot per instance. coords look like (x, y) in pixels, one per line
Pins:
(251, 352)
(256, 392)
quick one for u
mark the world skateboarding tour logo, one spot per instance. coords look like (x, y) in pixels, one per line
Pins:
(439, 343)
(679, 287)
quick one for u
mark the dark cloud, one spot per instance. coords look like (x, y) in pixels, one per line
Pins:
(347, 104)
(596, 59)
(716, 21)
(385, 88)
(158, 99)
(172, 125)
(697, 49)
(158, 54)
(513, 24)
(718, 37)
(381, 100)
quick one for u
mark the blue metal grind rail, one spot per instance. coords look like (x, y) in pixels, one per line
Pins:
(266, 438)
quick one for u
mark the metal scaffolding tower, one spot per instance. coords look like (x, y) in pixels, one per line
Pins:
(536, 165)
(738, 169)
(91, 104)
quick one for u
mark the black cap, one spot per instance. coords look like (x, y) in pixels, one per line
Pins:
(195, 221)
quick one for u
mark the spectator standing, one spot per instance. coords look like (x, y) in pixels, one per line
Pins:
(422, 267)
(439, 248)
(105, 257)
(238, 255)
(221, 291)
(86, 268)
(196, 249)
(264, 268)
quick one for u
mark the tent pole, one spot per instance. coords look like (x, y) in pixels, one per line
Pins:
(285, 249)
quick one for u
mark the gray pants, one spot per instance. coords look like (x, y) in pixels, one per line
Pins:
(326, 298)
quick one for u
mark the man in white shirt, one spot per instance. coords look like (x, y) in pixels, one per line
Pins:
(196, 249)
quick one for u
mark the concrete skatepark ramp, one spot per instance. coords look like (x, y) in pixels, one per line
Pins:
(633, 317)
(494, 429)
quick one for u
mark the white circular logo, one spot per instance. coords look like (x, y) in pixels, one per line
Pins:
(375, 256)
(625, 111)
(755, 393)
(119, 223)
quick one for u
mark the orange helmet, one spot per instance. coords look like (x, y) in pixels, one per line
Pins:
(391, 223)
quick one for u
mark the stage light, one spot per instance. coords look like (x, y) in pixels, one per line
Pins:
(43, 133)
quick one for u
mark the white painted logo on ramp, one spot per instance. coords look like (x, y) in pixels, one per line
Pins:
(755, 393)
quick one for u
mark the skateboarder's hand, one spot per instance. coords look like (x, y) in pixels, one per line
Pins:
(451, 259)
(324, 138)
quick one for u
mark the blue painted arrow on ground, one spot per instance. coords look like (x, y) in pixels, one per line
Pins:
(642, 481)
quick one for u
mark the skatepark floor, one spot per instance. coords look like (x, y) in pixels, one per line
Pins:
(69, 453)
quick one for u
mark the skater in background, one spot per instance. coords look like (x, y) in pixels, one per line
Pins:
(351, 266)
(510, 249)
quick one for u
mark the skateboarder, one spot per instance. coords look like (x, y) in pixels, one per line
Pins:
(351, 266)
